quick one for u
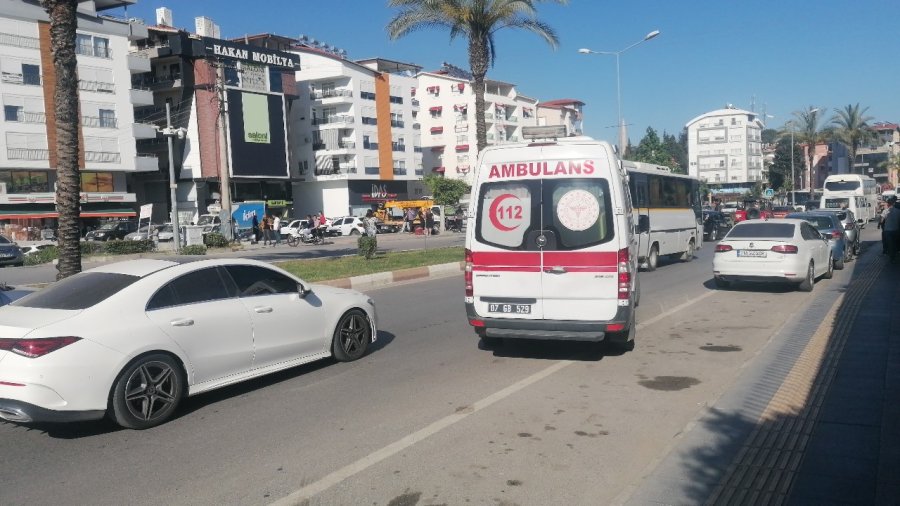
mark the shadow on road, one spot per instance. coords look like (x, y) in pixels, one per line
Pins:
(547, 350)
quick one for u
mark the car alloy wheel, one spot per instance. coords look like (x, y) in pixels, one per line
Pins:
(352, 336)
(147, 392)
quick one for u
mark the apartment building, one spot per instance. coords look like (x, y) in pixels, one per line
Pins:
(448, 119)
(564, 111)
(232, 99)
(725, 149)
(108, 130)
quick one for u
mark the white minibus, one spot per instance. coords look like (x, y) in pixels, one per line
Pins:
(551, 251)
(855, 192)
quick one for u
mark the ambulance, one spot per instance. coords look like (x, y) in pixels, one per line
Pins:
(551, 246)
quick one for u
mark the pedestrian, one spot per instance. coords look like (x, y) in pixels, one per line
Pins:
(276, 229)
(369, 224)
(410, 220)
(891, 229)
(429, 222)
(882, 216)
(255, 228)
(264, 226)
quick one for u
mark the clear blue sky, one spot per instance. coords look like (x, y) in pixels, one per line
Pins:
(789, 54)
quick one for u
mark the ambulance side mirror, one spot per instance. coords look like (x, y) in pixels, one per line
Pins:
(643, 224)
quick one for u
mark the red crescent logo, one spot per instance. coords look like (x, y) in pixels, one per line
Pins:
(495, 220)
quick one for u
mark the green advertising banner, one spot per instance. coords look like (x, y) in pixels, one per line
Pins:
(256, 118)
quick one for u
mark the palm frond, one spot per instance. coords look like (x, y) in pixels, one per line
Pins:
(535, 26)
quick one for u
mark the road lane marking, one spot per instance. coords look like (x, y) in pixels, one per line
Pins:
(309, 491)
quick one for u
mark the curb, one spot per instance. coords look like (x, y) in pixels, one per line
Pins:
(382, 279)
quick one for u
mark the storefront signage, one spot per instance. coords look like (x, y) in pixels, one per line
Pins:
(223, 49)
(277, 203)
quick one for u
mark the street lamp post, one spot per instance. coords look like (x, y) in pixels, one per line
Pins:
(622, 140)
(170, 134)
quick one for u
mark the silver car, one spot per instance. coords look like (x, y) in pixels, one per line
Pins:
(10, 253)
(851, 226)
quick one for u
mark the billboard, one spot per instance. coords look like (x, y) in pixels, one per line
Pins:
(256, 135)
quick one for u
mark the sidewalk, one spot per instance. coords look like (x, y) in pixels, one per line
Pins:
(816, 419)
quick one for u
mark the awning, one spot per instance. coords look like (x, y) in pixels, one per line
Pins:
(437, 129)
(436, 108)
(439, 170)
(19, 213)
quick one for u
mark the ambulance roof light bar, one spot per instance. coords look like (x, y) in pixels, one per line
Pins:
(533, 133)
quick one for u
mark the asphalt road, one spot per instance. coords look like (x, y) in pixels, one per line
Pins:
(335, 246)
(429, 417)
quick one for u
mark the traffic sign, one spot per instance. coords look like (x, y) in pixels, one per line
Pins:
(769, 193)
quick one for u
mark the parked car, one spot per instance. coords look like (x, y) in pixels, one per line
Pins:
(715, 225)
(731, 207)
(754, 209)
(832, 229)
(812, 205)
(294, 225)
(193, 326)
(112, 230)
(209, 222)
(166, 233)
(10, 293)
(10, 253)
(348, 225)
(851, 227)
(143, 233)
(786, 251)
(782, 211)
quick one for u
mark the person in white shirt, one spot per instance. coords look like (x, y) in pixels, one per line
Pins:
(276, 229)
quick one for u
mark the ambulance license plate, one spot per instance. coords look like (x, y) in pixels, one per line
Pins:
(509, 308)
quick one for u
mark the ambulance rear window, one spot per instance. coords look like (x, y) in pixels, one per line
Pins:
(550, 214)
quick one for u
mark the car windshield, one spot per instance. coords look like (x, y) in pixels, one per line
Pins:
(108, 226)
(821, 222)
(206, 220)
(762, 230)
(80, 291)
(4, 240)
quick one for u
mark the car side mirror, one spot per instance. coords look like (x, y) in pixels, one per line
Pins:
(303, 291)
(643, 224)
(859, 221)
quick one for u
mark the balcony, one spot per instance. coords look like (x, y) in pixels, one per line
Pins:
(415, 103)
(332, 93)
(138, 63)
(27, 117)
(321, 146)
(399, 172)
(370, 145)
(398, 147)
(99, 122)
(511, 119)
(340, 119)
(146, 163)
(19, 78)
(96, 86)
(348, 168)
(416, 126)
(143, 131)
(8, 39)
(462, 147)
(102, 157)
(158, 83)
(140, 98)
(372, 171)
(27, 153)
(420, 171)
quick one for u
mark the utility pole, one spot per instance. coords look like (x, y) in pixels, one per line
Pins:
(170, 134)
(225, 173)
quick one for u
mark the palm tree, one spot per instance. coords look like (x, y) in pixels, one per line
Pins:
(852, 129)
(477, 21)
(810, 133)
(65, 95)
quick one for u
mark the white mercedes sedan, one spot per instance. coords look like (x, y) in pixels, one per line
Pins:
(130, 340)
(786, 250)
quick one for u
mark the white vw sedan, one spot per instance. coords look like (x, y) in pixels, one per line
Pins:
(784, 250)
(131, 339)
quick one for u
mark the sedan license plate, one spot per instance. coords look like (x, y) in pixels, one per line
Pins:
(751, 253)
(509, 308)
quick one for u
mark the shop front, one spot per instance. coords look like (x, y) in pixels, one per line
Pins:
(33, 217)
(365, 195)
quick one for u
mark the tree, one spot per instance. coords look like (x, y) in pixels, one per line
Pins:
(810, 133)
(65, 95)
(677, 151)
(446, 191)
(769, 136)
(780, 169)
(477, 21)
(852, 129)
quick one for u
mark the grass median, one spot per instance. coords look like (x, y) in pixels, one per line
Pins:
(322, 269)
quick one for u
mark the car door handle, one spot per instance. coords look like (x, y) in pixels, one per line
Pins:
(183, 322)
(263, 309)
(556, 270)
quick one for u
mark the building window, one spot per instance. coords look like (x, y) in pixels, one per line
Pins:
(13, 112)
(25, 181)
(107, 118)
(88, 45)
(31, 74)
(97, 182)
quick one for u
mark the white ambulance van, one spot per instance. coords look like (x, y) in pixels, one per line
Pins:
(551, 249)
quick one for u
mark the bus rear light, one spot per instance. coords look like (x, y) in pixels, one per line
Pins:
(615, 327)
(476, 323)
(468, 274)
(722, 248)
(624, 275)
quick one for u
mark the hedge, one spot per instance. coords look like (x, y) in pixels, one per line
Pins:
(367, 246)
(215, 240)
(194, 249)
(128, 247)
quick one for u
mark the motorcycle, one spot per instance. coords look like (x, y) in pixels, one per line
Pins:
(306, 236)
